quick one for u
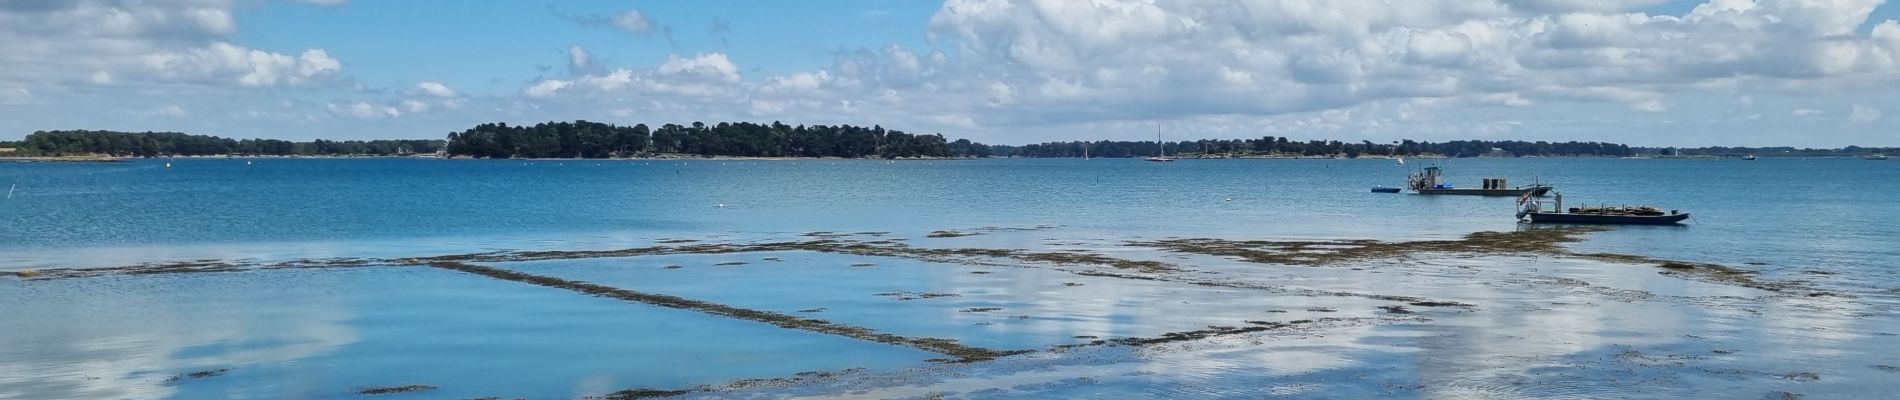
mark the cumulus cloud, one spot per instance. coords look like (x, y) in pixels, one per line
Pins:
(363, 110)
(110, 42)
(630, 21)
(633, 21)
(546, 88)
(415, 106)
(1105, 59)
(704, 75)
(578, 61)
(171, 111)
(436, 89)
(1860, 113)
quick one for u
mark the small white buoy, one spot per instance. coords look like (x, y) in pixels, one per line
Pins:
(168, 165)
(722, 205)
(1230, 199)
(247, 163)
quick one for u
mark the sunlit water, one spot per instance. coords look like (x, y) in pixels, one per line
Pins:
(1542, 328)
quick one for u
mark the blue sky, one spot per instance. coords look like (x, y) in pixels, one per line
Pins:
(460, 42)
(1646, 72)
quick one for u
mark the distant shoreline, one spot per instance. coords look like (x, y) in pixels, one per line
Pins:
(90, 158)
(687, 157)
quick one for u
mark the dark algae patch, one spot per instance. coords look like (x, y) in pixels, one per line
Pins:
(935, 345)
(1298, 253)
(180, 267)
(949, 234)
(980, 309)
(199, 374)
(1328, 252)
(1531, 241)
(375, 390)
(632, 394)
(1801, 376)
(908, 296)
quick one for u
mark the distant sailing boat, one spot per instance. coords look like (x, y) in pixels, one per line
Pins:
(1164, 150)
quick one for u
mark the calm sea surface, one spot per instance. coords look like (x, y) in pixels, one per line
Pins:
(1828, 223)
(1834, 213)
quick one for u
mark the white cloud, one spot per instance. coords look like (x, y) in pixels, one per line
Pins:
(415, 106)
(704, 75)
(1803, 112)
(1139, 60)
(633, 21)
(545, 88)
(1651, 105)
(99, 42)
(578, 61)
(363, 110)
(224, 62)
(713, 67)
(170, 111)
(1860, 113)
(436, 89)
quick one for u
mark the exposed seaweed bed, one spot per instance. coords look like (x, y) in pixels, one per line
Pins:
(1543, 242)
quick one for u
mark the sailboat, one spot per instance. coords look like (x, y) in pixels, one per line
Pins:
(1164, 150)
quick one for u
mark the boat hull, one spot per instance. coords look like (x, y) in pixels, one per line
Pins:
(1567, 218)
(1538, 191)
(1385, 190)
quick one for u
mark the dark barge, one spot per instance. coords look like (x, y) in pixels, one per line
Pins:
(1533, 210)
(1430, 181)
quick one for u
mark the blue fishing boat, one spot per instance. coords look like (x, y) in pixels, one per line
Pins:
(1382, 189)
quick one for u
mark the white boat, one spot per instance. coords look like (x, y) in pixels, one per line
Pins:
(1878, 157)
(1164, 151)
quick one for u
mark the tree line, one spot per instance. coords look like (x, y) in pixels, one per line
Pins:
(1284, 147)
(1781, 151)
(584, 139)
(154, 144)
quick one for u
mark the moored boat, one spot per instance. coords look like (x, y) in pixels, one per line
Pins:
(1163, 157)
(1383, 189)
(1533, 210)
(1878, 157)
(1750, 157)
(1430, 181)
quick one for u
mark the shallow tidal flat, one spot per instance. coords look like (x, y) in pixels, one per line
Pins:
(1025, 312)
